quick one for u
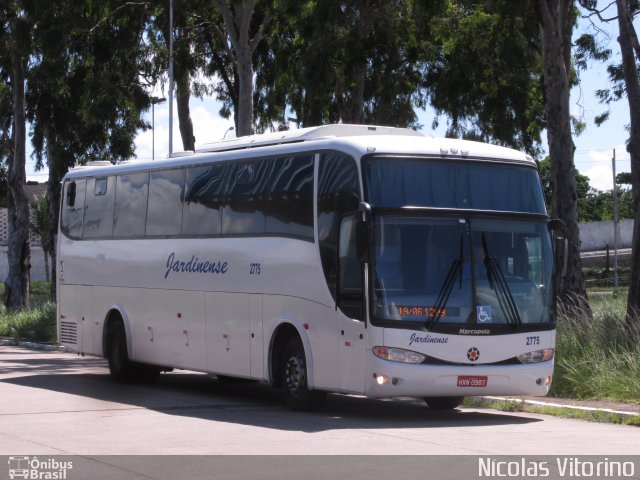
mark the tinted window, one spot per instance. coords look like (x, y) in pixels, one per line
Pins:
(164, 215)
(399, 182)
(131, 205)
(243, 212)
(289, 207)
(338, 194)
(98, 215)
(203, 199)
(73, 209)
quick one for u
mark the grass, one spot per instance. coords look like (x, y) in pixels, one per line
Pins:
(598, 359)
(37, 323)
(597, 416)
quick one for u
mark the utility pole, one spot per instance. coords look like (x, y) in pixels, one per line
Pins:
(615, 222)
(170, 77)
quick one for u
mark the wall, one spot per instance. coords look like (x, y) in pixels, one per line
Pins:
(597, 235)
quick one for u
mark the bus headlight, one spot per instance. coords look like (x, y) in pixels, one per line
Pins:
(398, 355)
(537, 356)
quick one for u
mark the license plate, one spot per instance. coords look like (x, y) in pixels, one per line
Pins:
(472, 381)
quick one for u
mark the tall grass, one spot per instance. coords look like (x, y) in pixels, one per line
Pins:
(600, 358)
(37, 323)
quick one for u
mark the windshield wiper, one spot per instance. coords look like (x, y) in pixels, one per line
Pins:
(498, 282)
(447, 287)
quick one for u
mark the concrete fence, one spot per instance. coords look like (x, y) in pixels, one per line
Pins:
(600, 235)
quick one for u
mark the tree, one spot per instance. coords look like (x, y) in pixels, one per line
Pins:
(486, 75)
(84, 95)
(190, 26)
(626, 82)
(556, 19)
(630, 49)
(241, 41)
(16, 31)
(354, 61)
(41, 226)
(583, 188)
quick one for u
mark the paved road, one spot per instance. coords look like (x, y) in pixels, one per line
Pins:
(62, 404)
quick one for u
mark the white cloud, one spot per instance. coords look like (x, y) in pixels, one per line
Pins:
(597, 165)
(207, 127)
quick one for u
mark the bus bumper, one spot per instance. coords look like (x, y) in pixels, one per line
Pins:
(393, 379)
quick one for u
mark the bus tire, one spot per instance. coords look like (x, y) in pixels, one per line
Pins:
(293, 374)
(121, 368)
(443, 403)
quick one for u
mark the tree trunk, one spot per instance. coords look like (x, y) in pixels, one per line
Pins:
(626, 40)
(556, 25)
(237, 25)
(183, 94)
(16, 295)
(245, 91)
(56, 172)
(351, 101)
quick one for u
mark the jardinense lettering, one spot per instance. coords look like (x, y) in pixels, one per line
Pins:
(195, 265)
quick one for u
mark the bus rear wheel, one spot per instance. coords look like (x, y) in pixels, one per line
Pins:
(121, 368)
(443, 403)
(293, 374)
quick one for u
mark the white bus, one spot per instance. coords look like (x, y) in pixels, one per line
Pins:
(343, 258)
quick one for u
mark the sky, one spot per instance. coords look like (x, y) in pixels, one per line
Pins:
(594, 147)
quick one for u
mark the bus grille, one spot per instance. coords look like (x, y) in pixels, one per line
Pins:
(68, 332)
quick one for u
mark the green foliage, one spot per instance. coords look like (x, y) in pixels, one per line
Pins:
(41, 220)
(37, 323)
(598, 359)
(84, 95)
(487, 74)
(351, 61)
(623, 178)
(593, 205)
(598, 205)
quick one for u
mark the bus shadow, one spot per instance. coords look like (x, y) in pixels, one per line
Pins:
(201, 396)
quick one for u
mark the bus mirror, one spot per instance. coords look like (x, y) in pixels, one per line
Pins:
(362, 241)
(560, 245)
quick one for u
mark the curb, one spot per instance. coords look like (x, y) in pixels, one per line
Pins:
(47, 347)
(488, 400)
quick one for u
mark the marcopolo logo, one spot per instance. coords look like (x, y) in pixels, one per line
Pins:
(38, 469)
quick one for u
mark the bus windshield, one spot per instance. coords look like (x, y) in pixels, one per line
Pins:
(467, 270)
(433, 182)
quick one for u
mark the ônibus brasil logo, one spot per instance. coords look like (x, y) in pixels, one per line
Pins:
(473, 354)
(33, 468)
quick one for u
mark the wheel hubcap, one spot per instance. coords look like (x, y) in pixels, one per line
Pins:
(294, 373)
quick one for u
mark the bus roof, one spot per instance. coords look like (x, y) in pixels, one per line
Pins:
(303, 135)
(356, 140)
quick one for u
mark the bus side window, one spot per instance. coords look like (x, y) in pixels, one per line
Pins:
(243, 211)
(131, 205)
(349, 270)
(338, 194)
(289, 206)
(164, 214)
(98, 215)
(203, 199)
(73, 210)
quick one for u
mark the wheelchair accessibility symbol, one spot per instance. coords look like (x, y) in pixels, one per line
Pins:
(483, 313)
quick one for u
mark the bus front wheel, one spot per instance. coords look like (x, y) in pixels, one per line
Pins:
(293, 374)
(443, 403)
(121, 368)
